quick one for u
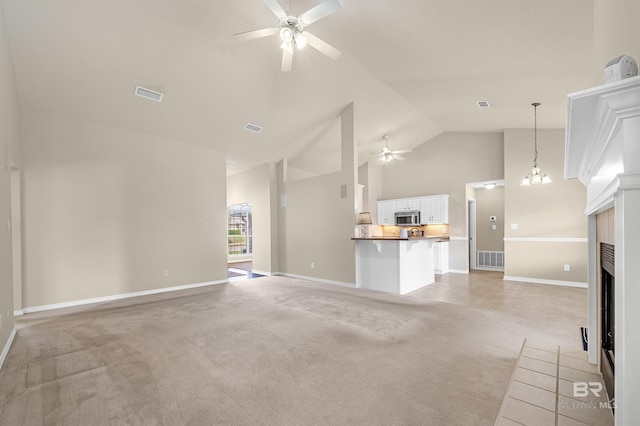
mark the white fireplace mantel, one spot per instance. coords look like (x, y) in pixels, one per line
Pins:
(602, 150)
(602, 139)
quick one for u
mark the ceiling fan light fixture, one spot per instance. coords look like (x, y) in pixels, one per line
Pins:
(300, 39)
(291, 30)
(286, 34)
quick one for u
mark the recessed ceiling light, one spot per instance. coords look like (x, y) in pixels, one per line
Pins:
(252, 128)
(148, 94)
(483, 104)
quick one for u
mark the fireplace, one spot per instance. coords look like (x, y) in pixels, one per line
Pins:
(608, 311)
(602, 151)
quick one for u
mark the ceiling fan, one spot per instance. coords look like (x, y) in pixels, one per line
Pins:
(387, 155)
(292, 30)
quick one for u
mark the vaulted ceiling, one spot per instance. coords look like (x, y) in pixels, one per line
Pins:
(414, 68)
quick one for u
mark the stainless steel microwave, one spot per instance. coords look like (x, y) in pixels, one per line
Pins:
(408, 218)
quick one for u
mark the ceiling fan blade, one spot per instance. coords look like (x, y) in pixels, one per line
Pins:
(325, 8)
(287, 59)
(401, 151)
(398, 157)
(275, 8)
(322, 46)
(250, 35)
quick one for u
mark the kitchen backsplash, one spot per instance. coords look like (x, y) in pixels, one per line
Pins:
(429, 230)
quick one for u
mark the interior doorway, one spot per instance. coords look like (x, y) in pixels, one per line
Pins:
(485, 225)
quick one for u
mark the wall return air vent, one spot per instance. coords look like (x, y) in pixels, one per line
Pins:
(483, 104)
(148, 94)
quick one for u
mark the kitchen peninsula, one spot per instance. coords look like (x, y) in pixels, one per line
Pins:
(395, 264)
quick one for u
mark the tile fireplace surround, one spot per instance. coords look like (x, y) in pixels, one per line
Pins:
(602, 150)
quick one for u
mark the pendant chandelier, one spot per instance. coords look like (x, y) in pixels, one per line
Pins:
(534, 177)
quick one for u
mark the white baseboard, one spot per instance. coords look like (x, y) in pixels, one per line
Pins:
(458, 271)
(483, 268)
(18, 313)
(7, 346)
(118, 297)
(320, 280)
(255, 271)
(543, 281)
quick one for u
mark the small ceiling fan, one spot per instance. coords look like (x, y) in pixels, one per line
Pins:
(292, 30)
(387, 155)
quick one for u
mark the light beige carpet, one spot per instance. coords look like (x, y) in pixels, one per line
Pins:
(268, 351)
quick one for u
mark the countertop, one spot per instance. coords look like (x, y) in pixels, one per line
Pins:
(397, 238)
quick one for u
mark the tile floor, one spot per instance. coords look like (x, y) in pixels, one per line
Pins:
(541, 390)
(555, 313)
(239, 271)
(552, 358)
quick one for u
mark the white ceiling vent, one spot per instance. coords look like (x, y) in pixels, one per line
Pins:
(483, 104)
(252, 128)
(149, 94)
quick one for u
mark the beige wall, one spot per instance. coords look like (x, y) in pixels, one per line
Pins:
(256, 186)
(616, 32)
(490, 202)
(8, 142)
(444, 165)
(546, 215)
(106, 211)
(370, 175)
(316, 225)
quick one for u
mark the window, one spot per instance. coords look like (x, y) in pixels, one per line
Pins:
(239, 230)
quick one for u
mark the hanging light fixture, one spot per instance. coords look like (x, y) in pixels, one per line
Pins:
(534, 177)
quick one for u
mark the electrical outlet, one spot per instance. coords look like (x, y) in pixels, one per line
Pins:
(165, 273)
(313, 265)
(567, 268)
(514, 226)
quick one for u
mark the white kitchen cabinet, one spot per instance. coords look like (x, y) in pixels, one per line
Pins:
(441, 257)
(408, 204)
(387, 212)
(434, 209)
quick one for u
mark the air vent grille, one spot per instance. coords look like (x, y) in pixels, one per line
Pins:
(252, 128)
(149, 94)
(490, 259)
(608, 258)
(483, 104)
